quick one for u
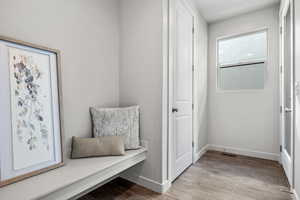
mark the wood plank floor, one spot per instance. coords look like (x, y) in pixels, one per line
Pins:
(214, 177)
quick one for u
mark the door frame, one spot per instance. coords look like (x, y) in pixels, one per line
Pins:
(287, 4)
(171, 45)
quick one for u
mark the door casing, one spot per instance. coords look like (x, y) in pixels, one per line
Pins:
(286, 160)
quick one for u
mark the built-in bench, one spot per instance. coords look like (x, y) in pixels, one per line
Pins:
(73, 180)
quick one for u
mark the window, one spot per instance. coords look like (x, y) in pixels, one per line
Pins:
(242, 61)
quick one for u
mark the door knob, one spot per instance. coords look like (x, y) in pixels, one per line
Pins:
(288, 110)
(174, 110)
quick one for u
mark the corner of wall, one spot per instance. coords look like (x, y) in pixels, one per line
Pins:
(141, 72)
(146, 182)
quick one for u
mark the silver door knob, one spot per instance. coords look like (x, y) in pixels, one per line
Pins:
(174, 110)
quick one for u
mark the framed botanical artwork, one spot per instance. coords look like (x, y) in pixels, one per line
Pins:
(30, 110)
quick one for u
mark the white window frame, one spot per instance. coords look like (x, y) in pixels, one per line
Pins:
(266, 61)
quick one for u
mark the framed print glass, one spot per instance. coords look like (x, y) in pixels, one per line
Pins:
(31, 130)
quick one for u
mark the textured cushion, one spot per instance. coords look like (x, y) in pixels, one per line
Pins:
(117, 121)
(100, 146)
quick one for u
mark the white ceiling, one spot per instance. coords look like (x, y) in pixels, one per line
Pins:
(214, 10)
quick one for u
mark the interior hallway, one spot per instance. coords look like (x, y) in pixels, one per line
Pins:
(214, 177)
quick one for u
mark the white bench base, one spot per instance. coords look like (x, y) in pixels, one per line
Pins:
(75, 179)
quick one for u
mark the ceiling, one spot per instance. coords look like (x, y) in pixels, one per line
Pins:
(214, 10)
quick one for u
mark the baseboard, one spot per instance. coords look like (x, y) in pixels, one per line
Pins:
(200, 153)
(147, 183)
(296, 195)
(163, 187)
(245, 152)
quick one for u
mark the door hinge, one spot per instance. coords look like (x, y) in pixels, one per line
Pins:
(280, 29)
(280, 148)
(192, 106)
(193, 68)
(193, 30)
(281, 109)
(281, 69)
(193, 144)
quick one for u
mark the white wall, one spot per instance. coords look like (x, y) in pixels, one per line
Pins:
(141, 67)
(87, 34)
(297, 101)
(247, 120)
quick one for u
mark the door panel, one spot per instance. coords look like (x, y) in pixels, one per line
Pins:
(182, 130)
(182, 91)
(287, 83)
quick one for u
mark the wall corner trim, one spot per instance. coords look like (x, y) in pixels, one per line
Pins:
(147, 183)
(200, 153)
(296, 195)
(245, 152)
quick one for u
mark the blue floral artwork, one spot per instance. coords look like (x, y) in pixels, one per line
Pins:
(31, 105)
(25, 74)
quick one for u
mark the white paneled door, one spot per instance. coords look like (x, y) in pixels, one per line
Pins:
(182, 113)
(287, 90)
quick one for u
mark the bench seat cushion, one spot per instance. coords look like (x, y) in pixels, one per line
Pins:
(100, 146)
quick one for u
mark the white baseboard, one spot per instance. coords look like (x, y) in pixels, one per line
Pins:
(200, 153)
(147, 183)
(296, 195)
(245, 152)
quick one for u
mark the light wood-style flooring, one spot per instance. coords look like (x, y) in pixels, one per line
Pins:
(214, 177)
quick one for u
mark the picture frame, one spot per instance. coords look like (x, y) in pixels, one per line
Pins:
(31, 139)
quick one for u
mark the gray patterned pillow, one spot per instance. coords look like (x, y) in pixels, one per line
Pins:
(117, 121)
